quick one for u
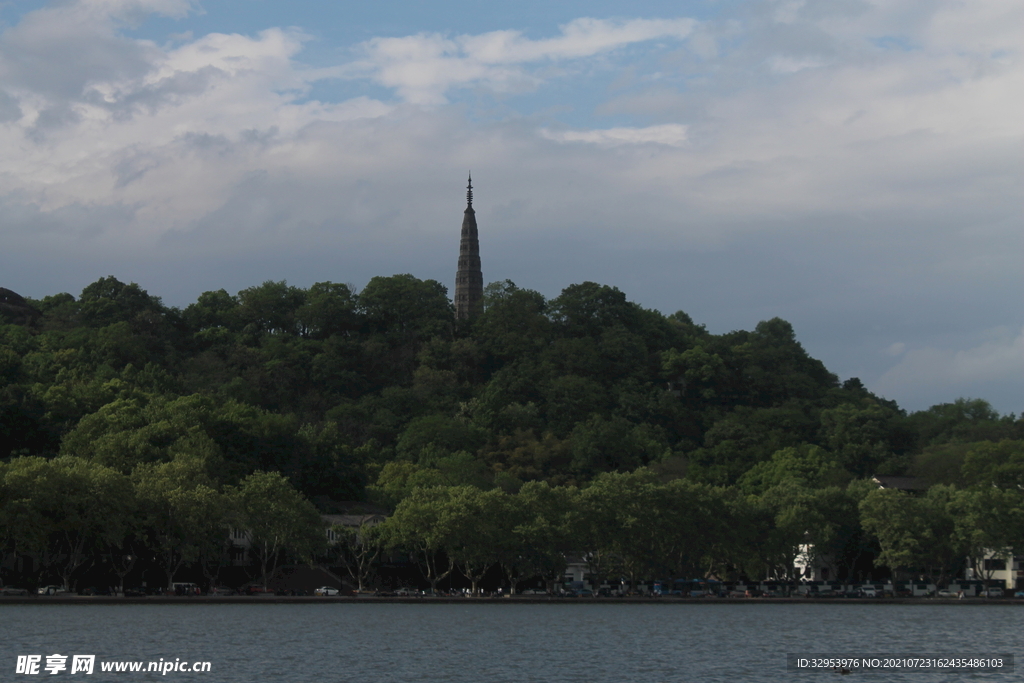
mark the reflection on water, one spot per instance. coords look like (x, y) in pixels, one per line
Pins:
(476, 643)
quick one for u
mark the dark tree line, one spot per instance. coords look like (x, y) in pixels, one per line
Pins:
(380, 395)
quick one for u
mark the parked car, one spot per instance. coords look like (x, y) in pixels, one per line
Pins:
(223, 590)
(326, 591)
(533, 591)
(991, 593)
(51, 590)
(945, 593)
(94, 590)
(406, 592)
(13, 590)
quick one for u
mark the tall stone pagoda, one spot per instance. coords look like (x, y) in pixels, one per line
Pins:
(469, 281)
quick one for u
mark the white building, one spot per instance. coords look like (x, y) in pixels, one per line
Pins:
(1002, 571)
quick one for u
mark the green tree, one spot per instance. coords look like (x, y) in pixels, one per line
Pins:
(278, 521)
(694, 373)
(472, 522)
(184, 515)
(432, 434)
(535, 535)
(513, 324)
(995, 464)
(623, 521)
(700, 535)
(108, 301)
(213, 311)
(357, 549)
(587, 309)
(988, 523)
(271, 307)
(64, 511)
(406, 309)
(916, 533)
(806, 466)
(614, 445)
(771, 367)
(418, 527)
(859, 435)
(963, 420)
(329, 309)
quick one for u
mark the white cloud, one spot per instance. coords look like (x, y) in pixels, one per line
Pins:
(790, 65)
(99, 119)
(668, 134)
(138, 9)
(896, 349)
(423, 67)
(954, 372)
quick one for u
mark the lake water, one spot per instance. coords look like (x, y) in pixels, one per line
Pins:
(485, 643)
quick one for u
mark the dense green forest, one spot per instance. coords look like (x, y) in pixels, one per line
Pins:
(605, 426)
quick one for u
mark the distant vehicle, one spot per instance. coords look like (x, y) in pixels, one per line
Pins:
(13, 590)
(1019, 594)
(868, 592)
(533, 591)
(991, 593)
(223, 590)
(94, 590)
(326, 591)
(945, 593)
(135, 592)
(186, 588)
(406, 592)
(51, 590)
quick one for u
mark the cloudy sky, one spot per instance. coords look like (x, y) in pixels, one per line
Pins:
(852, 166)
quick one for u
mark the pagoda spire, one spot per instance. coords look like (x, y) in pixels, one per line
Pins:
(469, 279)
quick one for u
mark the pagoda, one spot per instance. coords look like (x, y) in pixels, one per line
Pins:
(469, 280)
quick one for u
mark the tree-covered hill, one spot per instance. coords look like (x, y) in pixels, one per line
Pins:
(340, 390)
(583, 423)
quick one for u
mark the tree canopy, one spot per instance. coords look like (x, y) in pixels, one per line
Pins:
(535, 421)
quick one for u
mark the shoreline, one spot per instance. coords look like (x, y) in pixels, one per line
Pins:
(518, 600)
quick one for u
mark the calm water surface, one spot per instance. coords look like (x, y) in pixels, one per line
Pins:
(475, 643)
